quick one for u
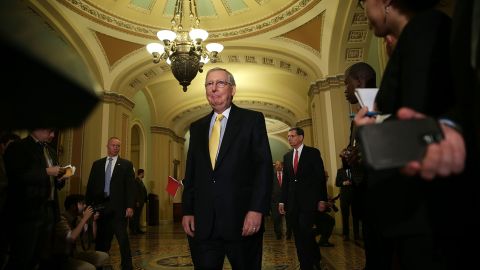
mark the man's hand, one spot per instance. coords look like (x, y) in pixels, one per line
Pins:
(188, 223)
(87, 213)
(281, 208)
(361, 118)
(55, 171)
(441, 159)
(252, 223)
(129, 213)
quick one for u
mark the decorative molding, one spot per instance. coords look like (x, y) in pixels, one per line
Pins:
(92, 12)
(250, 59)
(360, 18)
(356, 36)
(353, 54)
(112, 97)
(262, 2)
(144, 9)
(304, 123)
(135, 83)
(325, 84)
(300, 44)
(262, 26)
(192, 110)
(168, 132)
(266, 107)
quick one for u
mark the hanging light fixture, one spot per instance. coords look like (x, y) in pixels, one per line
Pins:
(184, 50)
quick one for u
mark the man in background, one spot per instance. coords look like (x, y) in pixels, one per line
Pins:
(110, 185)
(277, 218)
(140, 199)
(304, 193)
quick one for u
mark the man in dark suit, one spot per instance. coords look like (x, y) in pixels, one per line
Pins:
(140, 199)
(276, 198)
(227, 182)
(110, 186)
(32, 201)
(304, 192)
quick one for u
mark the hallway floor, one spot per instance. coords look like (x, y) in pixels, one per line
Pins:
(165, 247)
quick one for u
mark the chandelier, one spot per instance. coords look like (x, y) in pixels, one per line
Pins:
(184, 50)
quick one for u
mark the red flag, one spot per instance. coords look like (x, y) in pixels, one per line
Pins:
(172, 186)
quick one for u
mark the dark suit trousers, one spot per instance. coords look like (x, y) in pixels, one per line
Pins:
(135, 221)
(307, 249)
(347, 206)
(110, 224)
(277, 219)
(26, 243)
(243, 254)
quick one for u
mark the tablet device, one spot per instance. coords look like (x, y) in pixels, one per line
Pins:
(394, 143)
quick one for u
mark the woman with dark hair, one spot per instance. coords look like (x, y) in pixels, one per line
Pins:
(406, 215)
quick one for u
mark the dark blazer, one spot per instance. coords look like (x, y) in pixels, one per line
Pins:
(417, 76)
(276, 189)
(29, 183)
(140, 192)
(122, 185)
(303, 191)
(241, 180)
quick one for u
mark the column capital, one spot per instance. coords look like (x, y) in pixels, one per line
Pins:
(112, 97)
(168, 132)
(325, 84)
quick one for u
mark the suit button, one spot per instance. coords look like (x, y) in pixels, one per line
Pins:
(213, 180)
(295, 180)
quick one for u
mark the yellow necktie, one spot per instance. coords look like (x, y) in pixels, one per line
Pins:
(215, 139)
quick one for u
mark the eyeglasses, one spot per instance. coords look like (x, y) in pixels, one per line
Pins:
(218, 84)
(361, 4)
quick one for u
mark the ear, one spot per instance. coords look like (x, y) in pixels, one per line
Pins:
(234, 90)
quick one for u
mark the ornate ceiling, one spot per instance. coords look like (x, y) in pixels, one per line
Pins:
(276, 50)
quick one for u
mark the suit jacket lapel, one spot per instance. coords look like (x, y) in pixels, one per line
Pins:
(230, 132)
(290, 162)
(117, 167)
(204, 129)
(102, 168)
(302, 158)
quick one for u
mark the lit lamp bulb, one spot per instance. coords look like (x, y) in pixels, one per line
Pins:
(198, 35)
(155, 49)
(166, 36)
(205, 59)
(214, 49)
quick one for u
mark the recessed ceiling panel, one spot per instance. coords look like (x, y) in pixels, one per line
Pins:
(234, 6)
(143, 4)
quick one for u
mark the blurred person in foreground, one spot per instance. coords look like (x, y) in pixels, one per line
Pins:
(407, 226)
(459, 152)
(32, 201)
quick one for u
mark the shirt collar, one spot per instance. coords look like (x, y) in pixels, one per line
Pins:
(300, 148)
(225, 113)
